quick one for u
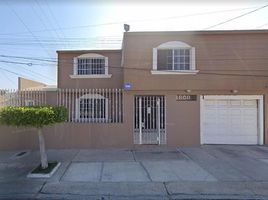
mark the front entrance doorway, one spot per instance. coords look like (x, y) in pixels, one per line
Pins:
(149, 120)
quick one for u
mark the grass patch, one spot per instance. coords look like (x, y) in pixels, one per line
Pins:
(40, 170)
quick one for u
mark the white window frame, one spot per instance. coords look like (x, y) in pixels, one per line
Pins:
(91, 96)
(89, 56)
(174, 45)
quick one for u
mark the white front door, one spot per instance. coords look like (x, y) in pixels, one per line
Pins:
(230, 120)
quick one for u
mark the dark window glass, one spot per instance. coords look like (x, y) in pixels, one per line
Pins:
(173, 59)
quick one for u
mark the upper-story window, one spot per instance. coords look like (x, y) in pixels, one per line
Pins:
(90, 65)
(174, 57)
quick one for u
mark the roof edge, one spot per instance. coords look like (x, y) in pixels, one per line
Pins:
(198, 32)
(89, 50)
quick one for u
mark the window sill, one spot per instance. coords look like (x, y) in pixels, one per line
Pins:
(174, 72)
(92, 76)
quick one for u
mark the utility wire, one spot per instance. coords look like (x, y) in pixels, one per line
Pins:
(127, 21)
(3, 74)
(55, 60)
(33, 72)
(54, 19)
(239, 16)
(207, 72)
(25, 25)
(263, 25)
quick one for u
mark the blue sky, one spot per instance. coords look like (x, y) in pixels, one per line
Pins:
(37, 28)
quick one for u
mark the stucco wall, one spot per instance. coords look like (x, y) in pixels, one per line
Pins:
(229, 53)
(65, 69)
(182, 126)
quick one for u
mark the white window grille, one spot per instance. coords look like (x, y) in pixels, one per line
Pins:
(173, 59)
(174, 56)
(90, 64)
(92, 108)
(87, 66)
(92, 105)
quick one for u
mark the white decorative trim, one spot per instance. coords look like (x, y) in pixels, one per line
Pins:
(192, 59)
(260, 111)
(201, 118)
(154, 58)
(174, 72)
(90, 55)
(75, 60)
(106, 66)
(173, 45)
(91, 76)
(260, 120)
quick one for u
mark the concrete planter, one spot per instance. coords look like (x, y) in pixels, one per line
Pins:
(43, 175)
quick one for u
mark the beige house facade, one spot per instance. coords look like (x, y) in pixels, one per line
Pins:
(162, 88)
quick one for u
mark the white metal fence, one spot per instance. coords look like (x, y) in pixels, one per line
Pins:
(92, 105)
(84, 105)
(12, 97)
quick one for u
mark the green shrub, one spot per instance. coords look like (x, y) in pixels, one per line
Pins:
(32, 116)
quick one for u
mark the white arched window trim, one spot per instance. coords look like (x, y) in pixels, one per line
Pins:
(175, 45)
(104, 109)
(89, 55)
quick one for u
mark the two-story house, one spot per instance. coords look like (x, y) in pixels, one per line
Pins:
(170, 88)
(180, 88)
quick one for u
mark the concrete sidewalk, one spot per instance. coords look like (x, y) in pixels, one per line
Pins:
(209, 172)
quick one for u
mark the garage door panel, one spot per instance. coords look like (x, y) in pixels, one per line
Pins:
(235, 140)
(230, 121)
(234, 103)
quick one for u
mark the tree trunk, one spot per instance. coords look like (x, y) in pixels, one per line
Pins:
(44, 163)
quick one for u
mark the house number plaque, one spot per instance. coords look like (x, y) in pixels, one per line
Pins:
(186, 97)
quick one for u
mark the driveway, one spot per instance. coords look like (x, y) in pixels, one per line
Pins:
(215, 171)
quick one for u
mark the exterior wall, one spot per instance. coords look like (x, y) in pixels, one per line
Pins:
(182, 127)
(65, 69)
(216, 52)
(219, 52)
(24, 83)
(73, 135)
(223, 52)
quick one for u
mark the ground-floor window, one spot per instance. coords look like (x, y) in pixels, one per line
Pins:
(92, 105)
(91, 108)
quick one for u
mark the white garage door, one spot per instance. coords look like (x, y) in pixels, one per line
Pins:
(229, 121)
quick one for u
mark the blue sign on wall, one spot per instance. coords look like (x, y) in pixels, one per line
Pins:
(127, 86)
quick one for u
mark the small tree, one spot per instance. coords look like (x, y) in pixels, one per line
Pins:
(35, 117)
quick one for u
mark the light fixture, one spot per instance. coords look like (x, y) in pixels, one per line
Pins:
(188, 91)
(234, 91)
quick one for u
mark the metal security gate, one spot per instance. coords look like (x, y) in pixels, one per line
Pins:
(149, 120)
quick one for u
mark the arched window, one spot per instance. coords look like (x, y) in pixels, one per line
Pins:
(90, 65)
(92, 107)
(174, 56)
